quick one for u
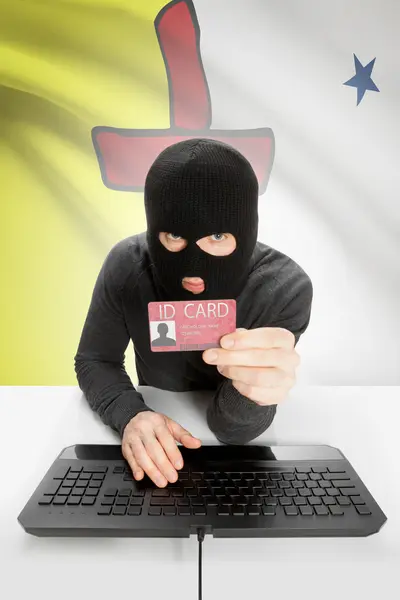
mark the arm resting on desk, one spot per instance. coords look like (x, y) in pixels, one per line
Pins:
(99, 362)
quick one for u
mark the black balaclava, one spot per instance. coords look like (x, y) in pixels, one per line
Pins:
(196, 188)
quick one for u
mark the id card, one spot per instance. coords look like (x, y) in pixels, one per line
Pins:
(190, 325)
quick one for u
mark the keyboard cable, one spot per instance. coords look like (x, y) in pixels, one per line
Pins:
(200, 537)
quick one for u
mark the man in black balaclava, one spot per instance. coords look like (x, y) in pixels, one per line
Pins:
(201, 243)
(195, 189)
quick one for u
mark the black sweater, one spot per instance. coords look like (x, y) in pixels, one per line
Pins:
(278, 294)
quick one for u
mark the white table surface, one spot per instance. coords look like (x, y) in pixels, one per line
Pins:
(37, 422)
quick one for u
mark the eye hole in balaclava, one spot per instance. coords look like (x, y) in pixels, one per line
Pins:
(196, 188)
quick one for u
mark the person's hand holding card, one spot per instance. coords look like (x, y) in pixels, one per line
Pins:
(260, 362)
(149, 446)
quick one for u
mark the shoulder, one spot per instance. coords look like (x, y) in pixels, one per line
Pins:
(128, 257)
(278, 284)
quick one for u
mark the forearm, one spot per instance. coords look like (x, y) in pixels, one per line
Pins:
(109, 391)
(234, 419)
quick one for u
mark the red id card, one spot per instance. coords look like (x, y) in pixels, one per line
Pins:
(190, 325)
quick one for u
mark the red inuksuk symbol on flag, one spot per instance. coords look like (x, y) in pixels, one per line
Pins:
(125, 155)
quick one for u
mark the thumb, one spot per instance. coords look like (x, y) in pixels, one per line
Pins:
(183, 436)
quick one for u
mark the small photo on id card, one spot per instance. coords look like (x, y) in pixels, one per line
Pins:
(183, 326)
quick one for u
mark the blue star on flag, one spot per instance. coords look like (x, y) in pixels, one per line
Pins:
(362, 79)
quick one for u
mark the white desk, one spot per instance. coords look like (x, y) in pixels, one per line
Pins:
(38, 422)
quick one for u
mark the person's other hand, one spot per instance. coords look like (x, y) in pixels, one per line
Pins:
(149, 446)
(260, 362)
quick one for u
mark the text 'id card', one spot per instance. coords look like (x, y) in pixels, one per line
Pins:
(182, 326)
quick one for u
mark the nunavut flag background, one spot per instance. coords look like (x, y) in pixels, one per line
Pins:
(308, 90)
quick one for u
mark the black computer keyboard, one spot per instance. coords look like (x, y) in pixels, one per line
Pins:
(90, 490)
(316, 491)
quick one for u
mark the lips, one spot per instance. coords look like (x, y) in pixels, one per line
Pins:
(196, 286)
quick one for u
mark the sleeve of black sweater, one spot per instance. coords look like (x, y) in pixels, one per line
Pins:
(100, 359)
(233, 418)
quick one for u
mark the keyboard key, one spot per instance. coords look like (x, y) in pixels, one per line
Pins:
(98, 477)
(81, 484)
(324, 484)
(122, 502)
(196, 476)
(75, 469)
(319, 492)
(238, 511)
(199, 502)
(154, 511)
(183, 475)
(292, 510)
(290, 493)
(315, 476)
(138, 493)
(134, 511)
(270, 502)
(45, 500)
(85, 476)
(321, 510)
(305, 492)
(78, 492)
(91, 492)
(97, 469)
(363, 510)
(345, 500)
(301, 477)
(285, 501)
(339, 483)
(125, 493)
(119, 510)
(59, 500)
(169, 511)
(52, 488)
(212, 501)
(177, 494)
(95, 484)
(330, 476)
(111, 492)
(300, 501)
(350, 491)
(119, 470)
(275, 477)
(61, 473)
(74, 501)
(328, 500)
(303, 469)
(270, 485)
(319, 469)
(64, 491)
(199, 511)
(298, 484)
(332, 492)
(336, 510)
(104, 511)
(72, 476)
(277, 493)
(253, 511)
(354, 499)
(223, 511)
(283, 485)
(288, 476)
(185, 502)
(88, 501)
(162, 502)
(311, 484)
(107, 502)
(136, 501)
(269, 510)
(314, 500)
(237, 476)
(160, 493)
(306, 510)
(247, 476)
(184, 511)
(68, 484)
(336, 470)
(209, 476)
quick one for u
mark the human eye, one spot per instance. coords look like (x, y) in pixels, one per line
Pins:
(174, 236)
(218, 237)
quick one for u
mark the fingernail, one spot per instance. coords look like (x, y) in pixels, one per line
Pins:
(160, 482)
(211, 356)
(220, 368)
(178, 464)
(227, 343)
